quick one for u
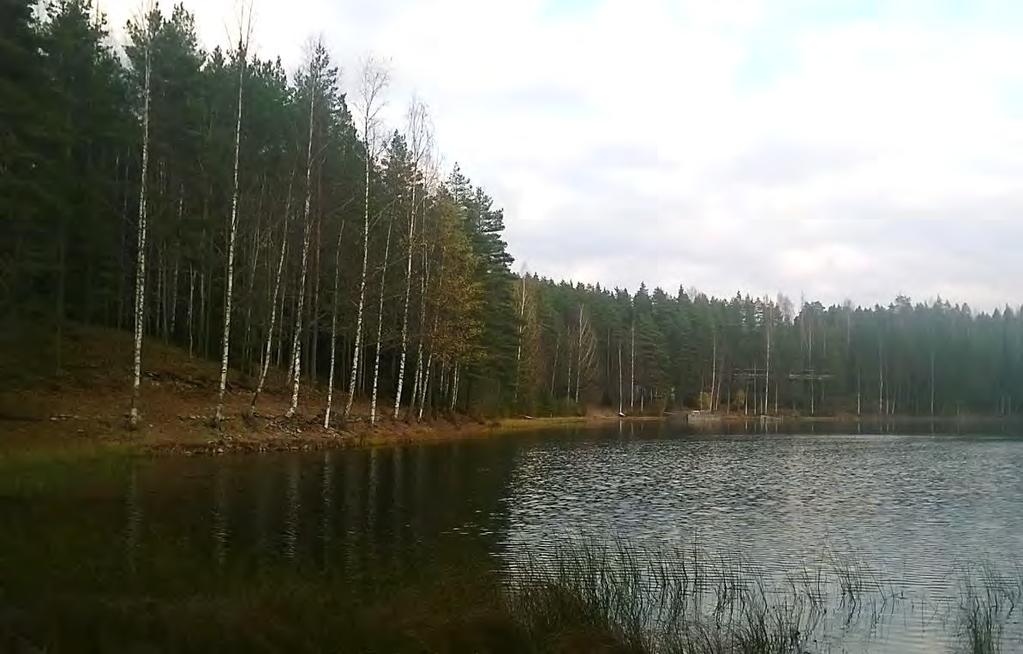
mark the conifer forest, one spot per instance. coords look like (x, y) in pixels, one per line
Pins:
(268, 219)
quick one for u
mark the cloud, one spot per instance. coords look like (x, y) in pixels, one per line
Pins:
(838, 149)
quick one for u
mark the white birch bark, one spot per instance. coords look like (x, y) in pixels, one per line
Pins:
(632, 372)
(419, 139)
(225, 341)
(518, 346)
(408, 297)
(426, 385)
(932, 381)
(380, 330)
(568, 364)
(420, 375)
(579, 357)
(296, 344)
(273, 305)
(880, 377)
(620, 407)
(140, 261)
(191, 295)
(554, 366)
(374, 81)
(333, 326)
(429, 359)
(454, 390)
(177, 262)
(767, 363)
(713, 367)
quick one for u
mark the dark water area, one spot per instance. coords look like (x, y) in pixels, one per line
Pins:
(910, 515)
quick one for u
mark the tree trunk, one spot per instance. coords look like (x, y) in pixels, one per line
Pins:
(518, 346)
(140, 262)
(191, 296)
(713, 367)
(296, 344)
(767, 365)
(273, 305)
(620, 378)
(362, 287)
(579, 357)
(225, 341)
(426, 385)
(554, 366)
(632, 373)
(408, 296)
(380, 330)
(932, 383)
(454, 390)
(333, 326)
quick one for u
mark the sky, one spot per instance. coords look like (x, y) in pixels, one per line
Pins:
(832, 149)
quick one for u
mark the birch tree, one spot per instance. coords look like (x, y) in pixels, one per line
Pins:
(521, 331)
(586, 353)
(296, 344)
(380, 327)
(242, 54)
(265, 367)
(419, 136)
(333, 327)
(140, 255)
(373, 82)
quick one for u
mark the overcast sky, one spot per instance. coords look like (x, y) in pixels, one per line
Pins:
(859, 151)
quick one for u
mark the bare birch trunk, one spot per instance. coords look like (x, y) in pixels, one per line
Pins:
(568, 373)
(362, 293)
(880, 376)
(140, 264)
(225, 341)
(932, 383)
(454, 390)
(426, 385)
(333, 327)
(408, 297)
(177, 261)
(191, 295)
(554, 366)
(579, 357)
(419, 141)
(273, 305)
(296, 344)
(418, 380)
(713, 367)
(380, 331)
(767, 367)
(632, 374)
(620, 379)
(374, 81)
(518, 346)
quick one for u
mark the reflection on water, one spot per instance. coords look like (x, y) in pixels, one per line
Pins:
(906, 513)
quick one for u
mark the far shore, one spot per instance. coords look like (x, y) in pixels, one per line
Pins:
(191, 434)
(84, 410)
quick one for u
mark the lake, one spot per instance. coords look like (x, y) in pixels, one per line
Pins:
(910, 518)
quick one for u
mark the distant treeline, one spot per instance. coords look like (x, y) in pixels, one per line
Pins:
(165, 187)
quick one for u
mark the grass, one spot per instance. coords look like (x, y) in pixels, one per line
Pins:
(586, 596)
(988, 600)
(619, 598)
(580, 596)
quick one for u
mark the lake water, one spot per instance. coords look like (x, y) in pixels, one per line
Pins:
(913, 514)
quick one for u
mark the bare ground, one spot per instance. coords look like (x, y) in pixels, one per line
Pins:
(86, 403)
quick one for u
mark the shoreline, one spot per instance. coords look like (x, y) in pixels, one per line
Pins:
(191, 435)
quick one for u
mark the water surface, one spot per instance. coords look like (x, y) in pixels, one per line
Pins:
(914, 514)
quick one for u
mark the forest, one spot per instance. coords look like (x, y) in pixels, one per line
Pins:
(266, 218)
